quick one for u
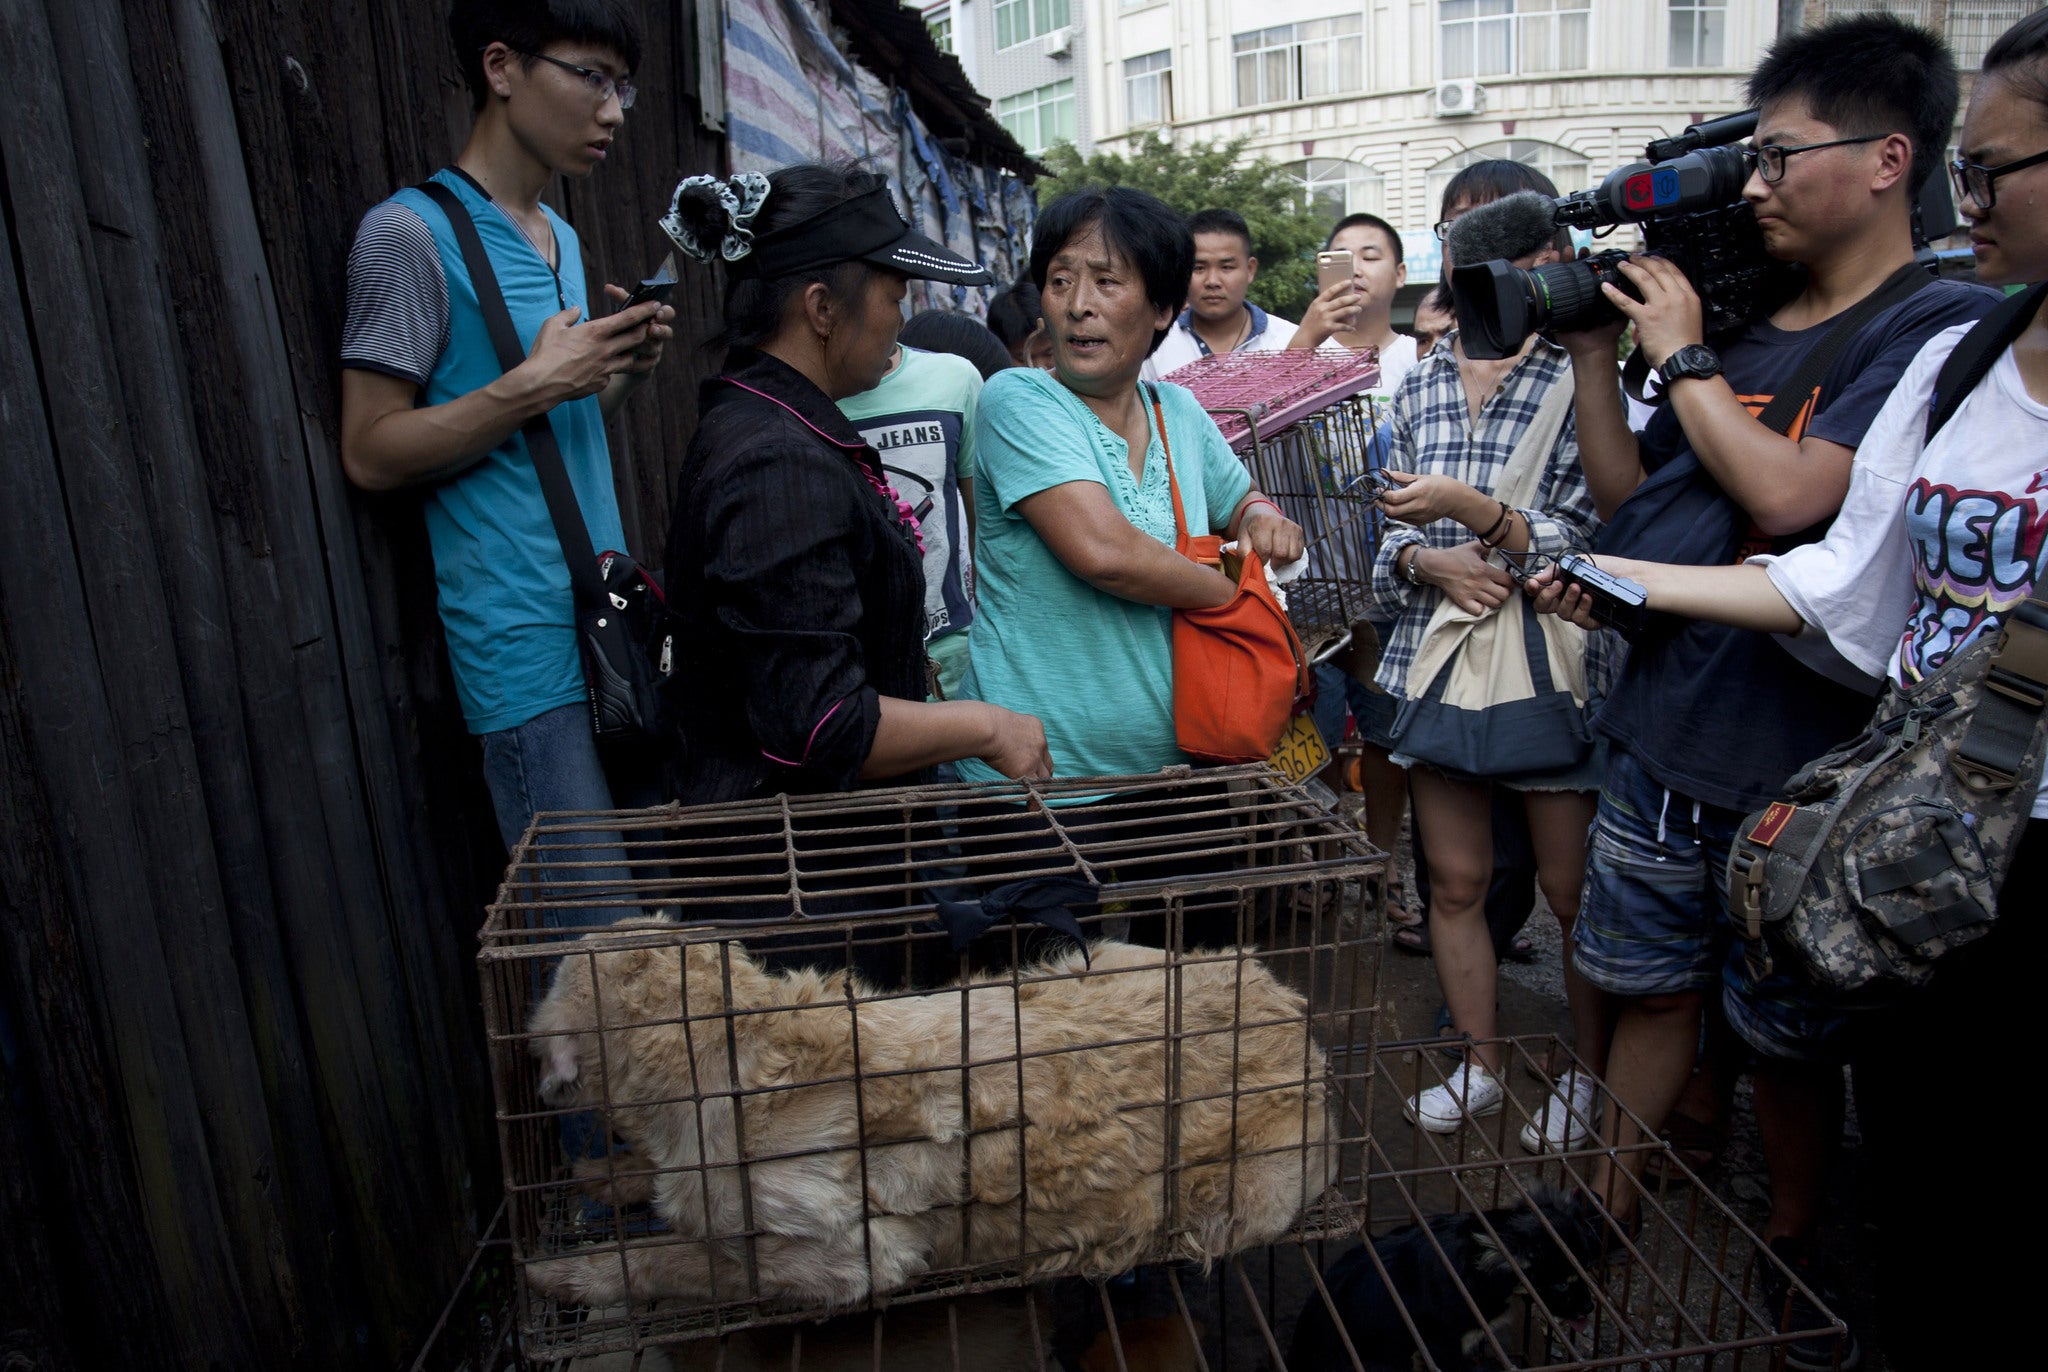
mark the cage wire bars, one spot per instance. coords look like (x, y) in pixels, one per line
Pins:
(826, 1106)
(1306, 427)
(1209, 866)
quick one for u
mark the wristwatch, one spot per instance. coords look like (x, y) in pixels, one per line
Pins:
(1694, 360)
(1413, 572)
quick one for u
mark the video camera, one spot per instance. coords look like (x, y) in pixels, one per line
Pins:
(1687, 196)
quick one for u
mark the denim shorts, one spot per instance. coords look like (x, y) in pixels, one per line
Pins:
(1336, 692)
(1654, 917)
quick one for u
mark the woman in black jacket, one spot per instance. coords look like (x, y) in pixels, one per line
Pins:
(794, 568)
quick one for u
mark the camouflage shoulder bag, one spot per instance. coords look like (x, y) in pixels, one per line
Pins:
(1889, 851)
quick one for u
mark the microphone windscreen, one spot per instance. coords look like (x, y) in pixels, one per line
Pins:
(1510, 227)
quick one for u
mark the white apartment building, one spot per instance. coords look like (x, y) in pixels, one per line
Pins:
(1030, 58)
(1374, 104)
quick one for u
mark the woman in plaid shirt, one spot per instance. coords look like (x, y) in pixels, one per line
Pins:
(1456, 421)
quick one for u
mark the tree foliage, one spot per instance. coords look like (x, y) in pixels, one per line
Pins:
(1203, 176)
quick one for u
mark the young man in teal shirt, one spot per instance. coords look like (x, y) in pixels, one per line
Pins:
(425, 401)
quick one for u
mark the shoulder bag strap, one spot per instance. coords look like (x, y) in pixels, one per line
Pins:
(1180, 514)
(1522, 475)
(567, 515)
(1977, 350)
(1991, 754)
(1792, 397)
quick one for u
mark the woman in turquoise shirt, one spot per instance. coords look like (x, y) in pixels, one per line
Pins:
(1077, 574)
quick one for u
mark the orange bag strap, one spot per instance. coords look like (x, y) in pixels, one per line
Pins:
(1180, 514)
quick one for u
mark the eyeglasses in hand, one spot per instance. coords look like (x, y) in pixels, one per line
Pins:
(1521, 566)
(601, 85)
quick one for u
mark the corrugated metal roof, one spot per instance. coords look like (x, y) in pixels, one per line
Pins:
(891, 39)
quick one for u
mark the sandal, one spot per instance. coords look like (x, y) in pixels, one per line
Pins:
(1410, 931)
(1521, 949)
(1693, 1142)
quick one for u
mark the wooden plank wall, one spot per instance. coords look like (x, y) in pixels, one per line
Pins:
(245, 845)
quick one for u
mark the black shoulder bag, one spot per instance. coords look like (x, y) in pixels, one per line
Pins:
(623, 632)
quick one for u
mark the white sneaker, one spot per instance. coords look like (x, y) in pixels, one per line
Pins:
(1565, 1120)
(1471, 1092)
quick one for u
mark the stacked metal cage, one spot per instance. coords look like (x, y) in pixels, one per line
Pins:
(826, 1099)
(828, 1102)
(1307, 427)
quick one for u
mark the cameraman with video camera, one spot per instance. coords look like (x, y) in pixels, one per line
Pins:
(1706, 723)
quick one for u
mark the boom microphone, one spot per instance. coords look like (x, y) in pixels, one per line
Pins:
(1511, 227)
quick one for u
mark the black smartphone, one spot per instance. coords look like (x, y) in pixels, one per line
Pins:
(658, 287)
(1617, 602)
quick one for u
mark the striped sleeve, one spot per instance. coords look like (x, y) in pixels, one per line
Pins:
(397, 297)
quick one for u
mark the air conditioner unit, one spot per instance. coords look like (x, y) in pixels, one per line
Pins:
(1458, 97)
(1059, 42)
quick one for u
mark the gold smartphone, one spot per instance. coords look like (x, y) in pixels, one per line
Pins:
(1332, 267)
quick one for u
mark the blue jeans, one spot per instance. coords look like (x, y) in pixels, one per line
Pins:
(550, 763)
(1337, 694)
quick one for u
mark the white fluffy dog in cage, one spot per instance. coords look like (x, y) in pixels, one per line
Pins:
(945, 1178)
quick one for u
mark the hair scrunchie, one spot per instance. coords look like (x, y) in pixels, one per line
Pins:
(741, 196)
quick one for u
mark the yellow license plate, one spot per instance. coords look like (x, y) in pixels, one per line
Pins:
(1302, 752)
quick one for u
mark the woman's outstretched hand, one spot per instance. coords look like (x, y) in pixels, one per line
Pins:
(1550, 595)
(1016, 745)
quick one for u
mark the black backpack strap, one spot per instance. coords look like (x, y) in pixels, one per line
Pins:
(570, 530)
(1977, 350)
(1792, 397)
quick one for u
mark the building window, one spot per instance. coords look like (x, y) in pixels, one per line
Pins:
(1304, 61)
(1697, 29)
(1512, 37)
(1332, 187)
(1020, 20)
(1148, 90)
(1568, 170)
(1040, 118)
(941, 31)
(1970, 26)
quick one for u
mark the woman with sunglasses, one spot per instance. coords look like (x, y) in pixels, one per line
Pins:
(1938, 541)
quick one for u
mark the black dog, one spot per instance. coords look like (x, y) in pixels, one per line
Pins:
(1428, 1289)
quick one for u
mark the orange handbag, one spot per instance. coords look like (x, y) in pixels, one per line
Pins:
(1238, 669)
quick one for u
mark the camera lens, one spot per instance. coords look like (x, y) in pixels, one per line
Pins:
(1570, 295)
(1496, 308)
(1500, 305)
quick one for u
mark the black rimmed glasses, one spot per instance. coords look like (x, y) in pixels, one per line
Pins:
(602, 85)
(1978, 182)
(1769, 158)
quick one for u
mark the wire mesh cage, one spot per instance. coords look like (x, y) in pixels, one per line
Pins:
(1476, 1255)
(1307, 427)
(751, 1067)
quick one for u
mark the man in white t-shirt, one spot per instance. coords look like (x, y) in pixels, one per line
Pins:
(1359, 313)
(1218, 318)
